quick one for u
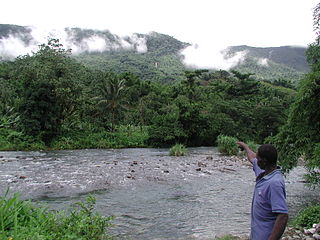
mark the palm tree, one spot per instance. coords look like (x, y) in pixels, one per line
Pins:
(112, 96)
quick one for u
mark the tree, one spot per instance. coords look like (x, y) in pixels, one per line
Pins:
(300, 136)
(111, 96)
(191, 83)
(39, 108)
(49, 89)
(166, 130)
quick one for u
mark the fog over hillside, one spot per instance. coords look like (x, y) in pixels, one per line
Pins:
(25, 40)
(18, 40)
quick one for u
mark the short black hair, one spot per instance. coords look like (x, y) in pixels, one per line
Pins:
(268, 152)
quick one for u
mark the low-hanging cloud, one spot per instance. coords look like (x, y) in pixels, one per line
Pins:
(14, 46)
(263, 61)
(211, 57)
(79, 41)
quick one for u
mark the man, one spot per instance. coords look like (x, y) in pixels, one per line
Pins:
(269, 210)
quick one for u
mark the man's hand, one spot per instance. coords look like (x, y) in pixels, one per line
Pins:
(250, 154)
(242, 145)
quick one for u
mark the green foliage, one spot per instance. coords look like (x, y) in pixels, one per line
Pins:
(12, 140)
(308, 216)
(21, 220)
(112, 96)
(227, 237)
(227, 145)
(166, 128)
(46, 83)
(162, 62)
(122, 136)
(271, 72)
(178, 150)
(300, 136)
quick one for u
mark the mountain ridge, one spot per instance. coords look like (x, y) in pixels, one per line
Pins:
(155, 55)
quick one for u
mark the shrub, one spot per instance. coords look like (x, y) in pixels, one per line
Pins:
(308, 216)
(124, 136)
(21, 220)
(178, 150)
(16, 141)
(227, 145)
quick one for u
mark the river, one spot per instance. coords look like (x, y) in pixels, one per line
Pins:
(151, 194)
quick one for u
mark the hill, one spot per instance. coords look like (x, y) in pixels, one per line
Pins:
(152, 56)
(286, 62)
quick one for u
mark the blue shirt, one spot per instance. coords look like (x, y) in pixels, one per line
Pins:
(269, 198)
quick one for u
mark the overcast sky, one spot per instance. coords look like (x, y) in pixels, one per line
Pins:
(219, 23)
(229, 22)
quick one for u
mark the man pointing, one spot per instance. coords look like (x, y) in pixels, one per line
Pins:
(269, 210)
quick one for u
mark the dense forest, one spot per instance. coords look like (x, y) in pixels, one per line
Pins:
(51, 99)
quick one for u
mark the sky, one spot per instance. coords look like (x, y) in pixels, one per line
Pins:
(210, 25)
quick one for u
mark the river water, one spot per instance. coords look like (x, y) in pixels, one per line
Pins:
(151, 194)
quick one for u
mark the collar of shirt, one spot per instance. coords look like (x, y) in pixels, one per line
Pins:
(268, 176)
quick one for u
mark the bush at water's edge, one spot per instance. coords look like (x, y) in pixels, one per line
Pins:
(22, 220)
(178, 150)
(227, 145)
(123, 137)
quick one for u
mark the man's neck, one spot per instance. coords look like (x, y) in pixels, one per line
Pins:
(269, 169)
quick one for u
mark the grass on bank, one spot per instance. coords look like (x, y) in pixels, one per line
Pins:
(228, 145)
(123, 137)
(178, 150)
(21, 220)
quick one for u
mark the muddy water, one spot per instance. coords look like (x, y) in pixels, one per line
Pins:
(151, 194)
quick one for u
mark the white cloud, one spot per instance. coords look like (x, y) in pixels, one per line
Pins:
(210, 57)
(263, 61)
(140, 43)
(93, 44)
(212, 24)
(229, 22)
(12, 47)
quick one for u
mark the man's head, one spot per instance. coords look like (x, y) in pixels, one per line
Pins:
(267, 156)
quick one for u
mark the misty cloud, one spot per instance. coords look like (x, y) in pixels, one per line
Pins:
(140, 44)
(91, 44)
(263, 61)
(14, 45)
(211, 57)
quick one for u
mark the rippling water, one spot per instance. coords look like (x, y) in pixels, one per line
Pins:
(152, 195)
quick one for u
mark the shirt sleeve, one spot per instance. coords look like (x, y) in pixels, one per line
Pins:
(257, 170)
(278, 198)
